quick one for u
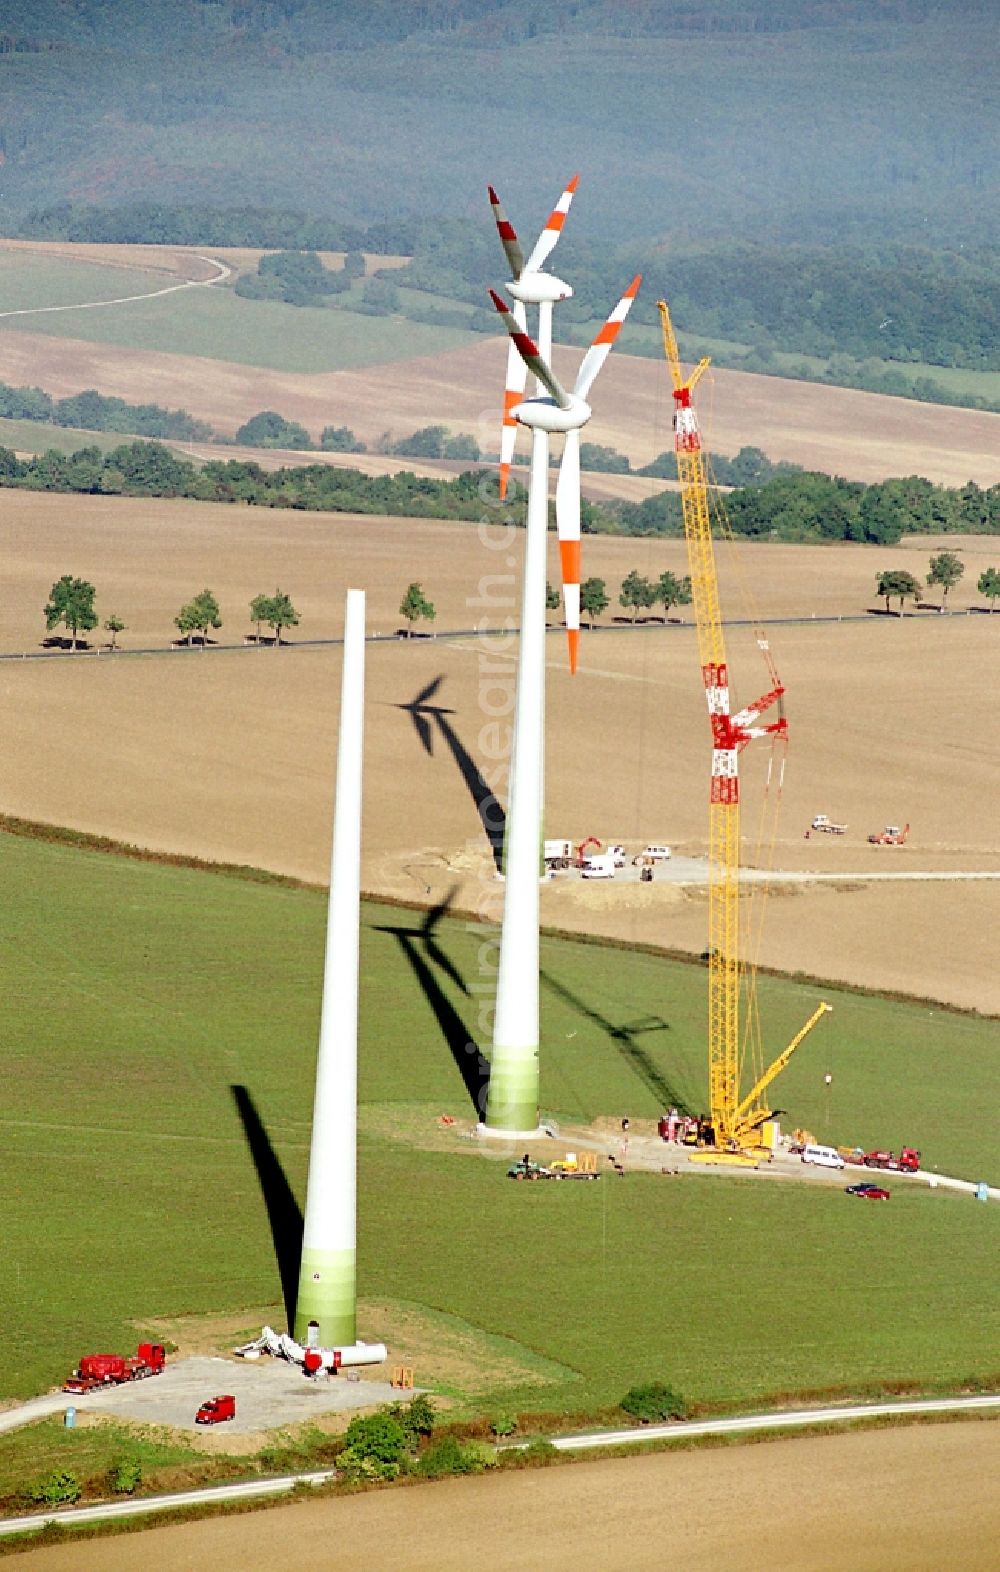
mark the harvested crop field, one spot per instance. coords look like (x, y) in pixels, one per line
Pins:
(897, 1498)
(229, 754)
(402, 374)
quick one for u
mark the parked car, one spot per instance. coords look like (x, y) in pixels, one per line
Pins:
(868, 1192)
(822, 1156)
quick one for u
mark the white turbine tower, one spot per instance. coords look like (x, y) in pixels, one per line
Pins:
(513, 1088)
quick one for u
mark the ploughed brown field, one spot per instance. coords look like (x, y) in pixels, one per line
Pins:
(918, 1499)
(230, 754)
(866, 436)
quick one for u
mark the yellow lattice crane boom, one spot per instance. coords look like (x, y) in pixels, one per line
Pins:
(735, 1121)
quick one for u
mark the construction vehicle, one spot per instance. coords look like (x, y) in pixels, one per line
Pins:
(558, 855)
(735, 1119)
(908, 1161)
(563, 1168)
(826, 826)
(892, 835)
(99, 1370)
(216, 1410)
(573, 1167)
(584, 847)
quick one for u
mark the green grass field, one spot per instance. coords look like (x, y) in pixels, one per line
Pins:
(29, 280)
(37, 436)
(139, 994)
(217, 325)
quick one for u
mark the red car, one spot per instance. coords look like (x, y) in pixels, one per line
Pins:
(868, 1192)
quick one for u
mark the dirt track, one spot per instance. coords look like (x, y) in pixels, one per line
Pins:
(918, 1499)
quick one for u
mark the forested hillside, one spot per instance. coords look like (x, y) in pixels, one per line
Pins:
(695, 119)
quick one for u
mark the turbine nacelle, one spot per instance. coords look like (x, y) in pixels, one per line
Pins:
(539, 289)
(546, 414)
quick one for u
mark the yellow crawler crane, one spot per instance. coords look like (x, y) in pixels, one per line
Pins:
(736, 1121)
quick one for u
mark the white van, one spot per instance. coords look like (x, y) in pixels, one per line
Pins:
(602, 867)
(822, 1156)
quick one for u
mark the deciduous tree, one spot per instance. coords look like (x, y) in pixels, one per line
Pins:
(989, 585)
(198, 616)
(637, 594)
(593, 598)
(945, 569)
(895, 584)
(71, 602)
(673, 591)
(414, 605)
(114, 625)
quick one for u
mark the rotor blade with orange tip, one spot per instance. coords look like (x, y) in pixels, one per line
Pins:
(568, 527)
(600, 349)
(553, 229)
(508, 237)
(528, 351)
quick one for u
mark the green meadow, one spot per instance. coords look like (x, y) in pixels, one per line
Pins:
(139, 994)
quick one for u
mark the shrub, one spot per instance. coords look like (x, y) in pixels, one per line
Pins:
(55, 1488)
(125, 1476)
(353, 1466)
(653, 1401)
(449, 1456)
(504, 1425)
(418, 1415)
(379, 1438)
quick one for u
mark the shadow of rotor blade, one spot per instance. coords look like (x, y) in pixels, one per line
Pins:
(488, 805)
(469, 1061)
(432, 947)
(648, 1072)
(283, 1212)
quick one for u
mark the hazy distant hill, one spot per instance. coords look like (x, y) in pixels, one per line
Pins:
(694, 119)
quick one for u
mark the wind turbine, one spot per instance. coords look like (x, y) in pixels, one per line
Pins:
(529, 286)
(513, 1093)
(568, 413)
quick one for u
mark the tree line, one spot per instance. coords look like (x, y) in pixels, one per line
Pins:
(71, 604)
(799, 507)
(93, 411)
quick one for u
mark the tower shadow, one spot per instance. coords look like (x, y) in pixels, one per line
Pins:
(623, 1037)
(491, 814)
(283, 1212)
(426, 958)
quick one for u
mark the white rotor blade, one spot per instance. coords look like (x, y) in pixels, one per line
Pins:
(600, 349)
(508, 237)
(568, 527)
(553, 229)
(517, 376)
(528, 351)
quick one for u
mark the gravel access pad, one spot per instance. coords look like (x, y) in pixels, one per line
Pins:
(269, 1393)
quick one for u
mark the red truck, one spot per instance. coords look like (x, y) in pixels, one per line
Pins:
(99, 1370)
(215, 1410)
(908, 1161)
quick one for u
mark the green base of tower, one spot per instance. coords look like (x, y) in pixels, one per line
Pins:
(512, 1102)
(328, 1295)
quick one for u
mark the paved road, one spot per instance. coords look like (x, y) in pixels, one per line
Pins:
(678, 1431)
